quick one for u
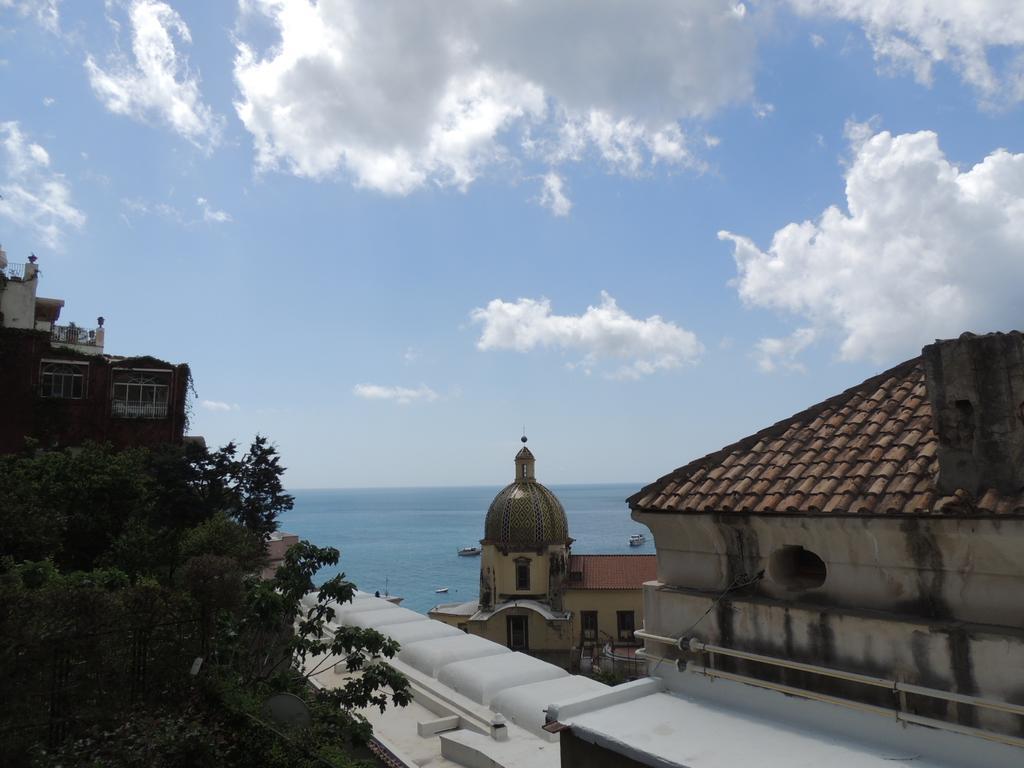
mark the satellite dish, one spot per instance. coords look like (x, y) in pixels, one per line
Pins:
(287, 709)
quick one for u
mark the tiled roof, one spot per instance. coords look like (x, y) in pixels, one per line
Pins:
(868, 451)
(612, 571)
(526, 513)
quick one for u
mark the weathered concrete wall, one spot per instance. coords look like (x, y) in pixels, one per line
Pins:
(976, 389)
(18, 300)
(935, 568)
(971, 659)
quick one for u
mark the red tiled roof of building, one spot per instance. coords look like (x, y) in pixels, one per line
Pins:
(868, 451)
(612, 571)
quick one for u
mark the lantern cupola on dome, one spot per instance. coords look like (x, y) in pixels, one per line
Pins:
(525, 513)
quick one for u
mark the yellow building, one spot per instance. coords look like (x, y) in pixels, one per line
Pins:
(535, 595)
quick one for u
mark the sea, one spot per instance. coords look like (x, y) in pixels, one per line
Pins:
(405, 541)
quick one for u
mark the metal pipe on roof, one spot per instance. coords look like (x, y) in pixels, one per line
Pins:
(696, 646)
(645, 635)
(906, 717)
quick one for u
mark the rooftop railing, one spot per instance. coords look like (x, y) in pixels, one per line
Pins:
(73, 334)
(13, 271)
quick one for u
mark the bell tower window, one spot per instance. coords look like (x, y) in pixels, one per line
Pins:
(522, 574)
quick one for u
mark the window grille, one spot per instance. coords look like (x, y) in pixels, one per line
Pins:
(626, 626)
(62, 380)
(140, 395)
(522, 575)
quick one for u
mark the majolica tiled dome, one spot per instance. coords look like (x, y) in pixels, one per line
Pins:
(525, 512)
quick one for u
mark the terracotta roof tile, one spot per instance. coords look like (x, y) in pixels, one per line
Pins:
(868, 451)
(612, 571)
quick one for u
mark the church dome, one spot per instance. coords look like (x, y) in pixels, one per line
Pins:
(525, 513)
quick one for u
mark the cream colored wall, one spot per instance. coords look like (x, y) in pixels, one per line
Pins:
(607, 602)
(504, 569)
(543, 635)
(449, 619)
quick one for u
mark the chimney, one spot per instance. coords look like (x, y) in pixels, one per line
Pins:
(976, 388)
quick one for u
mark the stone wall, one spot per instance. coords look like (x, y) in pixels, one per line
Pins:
(925, 600)
(964, 569)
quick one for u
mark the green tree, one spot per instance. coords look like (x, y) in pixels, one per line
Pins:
(259, 496)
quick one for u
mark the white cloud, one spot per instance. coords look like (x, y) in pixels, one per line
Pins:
(139, 207)
(34, 196)
(601, 333)
(218, 406)
(411, 355)
(553, 196)
(156, 81)
(917, 34)
(45, 12)
(772, 354)
(49, 101)
(924, 250)
(400, 95)
(210, 214)
(400, 395)
(817, 40)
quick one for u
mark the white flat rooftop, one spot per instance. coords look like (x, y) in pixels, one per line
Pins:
(678, 732)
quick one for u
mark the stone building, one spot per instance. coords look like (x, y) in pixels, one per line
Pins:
(535, 595)
(60, 388)
(854, 572)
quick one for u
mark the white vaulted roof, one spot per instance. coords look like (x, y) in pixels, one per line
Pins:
(375, 619)
(413, 632)
(429, 656)
(524, 705)
(481, 679)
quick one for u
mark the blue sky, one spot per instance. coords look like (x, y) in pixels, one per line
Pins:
(388, 235)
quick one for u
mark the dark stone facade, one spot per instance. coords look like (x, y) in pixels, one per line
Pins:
(59, 422)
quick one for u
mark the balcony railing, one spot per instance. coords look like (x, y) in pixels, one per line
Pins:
(72, 334)
(125, 410)
(13, 271)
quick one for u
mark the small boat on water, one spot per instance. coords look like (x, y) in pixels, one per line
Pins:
(637, 539)
(469, 551)
(441, 590)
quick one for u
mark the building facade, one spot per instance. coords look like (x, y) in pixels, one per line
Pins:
(868, 551)
(60, 389)
(535, 595)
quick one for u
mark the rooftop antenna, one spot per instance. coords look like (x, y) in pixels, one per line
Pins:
(523, 438)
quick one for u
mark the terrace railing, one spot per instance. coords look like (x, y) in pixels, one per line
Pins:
(123, 409)
(73, 334)
(13, 271)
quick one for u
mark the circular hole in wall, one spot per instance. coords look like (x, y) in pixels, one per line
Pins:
(794, 567)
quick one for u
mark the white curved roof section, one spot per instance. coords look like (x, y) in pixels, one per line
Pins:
(524, 705)
(430, 656)
(481, 679)
(415, 632)
(533, 605)
(381, 619)
(343, 610)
